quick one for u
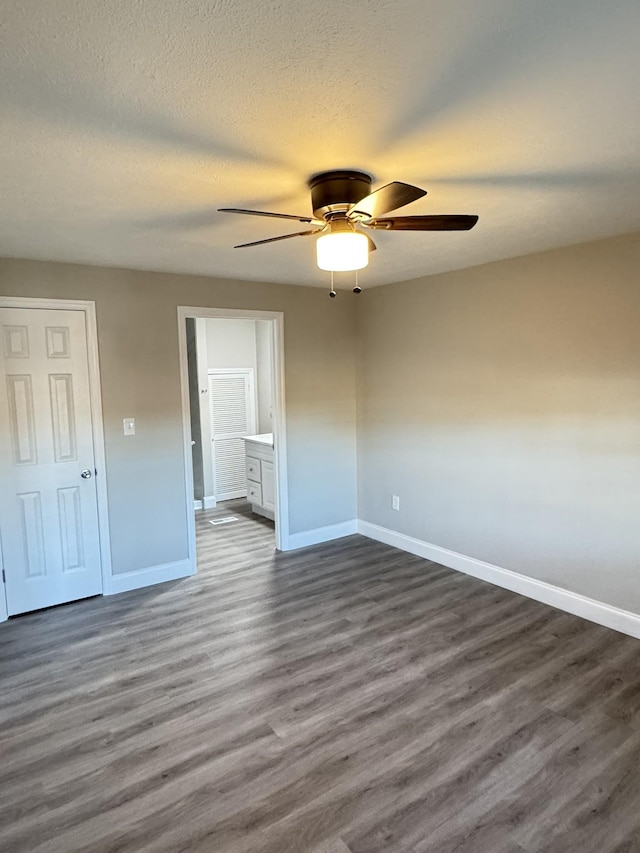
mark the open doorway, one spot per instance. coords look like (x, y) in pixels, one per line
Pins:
(232, 376)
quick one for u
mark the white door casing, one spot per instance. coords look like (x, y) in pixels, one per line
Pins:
(232, 411)
(276, 318)
(48, 510)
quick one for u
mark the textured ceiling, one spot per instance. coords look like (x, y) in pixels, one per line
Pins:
(126, 124)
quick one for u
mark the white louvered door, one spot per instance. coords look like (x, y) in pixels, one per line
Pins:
(48, 507)
(233, 416)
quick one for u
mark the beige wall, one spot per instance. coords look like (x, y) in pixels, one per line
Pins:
(231, 343)
(138, 342)
(502, 404)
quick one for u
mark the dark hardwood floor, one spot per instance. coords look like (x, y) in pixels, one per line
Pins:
(348, 698)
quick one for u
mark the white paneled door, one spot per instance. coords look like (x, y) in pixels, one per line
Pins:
(48, 504)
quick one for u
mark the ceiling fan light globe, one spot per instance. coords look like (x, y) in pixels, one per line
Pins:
(342, 252)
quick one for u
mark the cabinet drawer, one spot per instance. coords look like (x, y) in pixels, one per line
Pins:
(254, 493)
(257, 450)
(253, 469)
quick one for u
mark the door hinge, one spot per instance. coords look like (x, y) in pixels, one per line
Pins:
(95, 471)
(4, 579)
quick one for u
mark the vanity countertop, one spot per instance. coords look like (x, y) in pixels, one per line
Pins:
(266, 438)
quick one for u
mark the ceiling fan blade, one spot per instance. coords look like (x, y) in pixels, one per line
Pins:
(372, 245)
(445, 222)
(387, 198)
(275, 239)
(309, 219)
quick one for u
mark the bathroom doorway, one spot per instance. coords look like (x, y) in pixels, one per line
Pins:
(232, 378)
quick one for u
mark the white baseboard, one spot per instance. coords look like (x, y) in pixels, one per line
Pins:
(150, 576)
(206, 503)
(579, 605)
(320, 534)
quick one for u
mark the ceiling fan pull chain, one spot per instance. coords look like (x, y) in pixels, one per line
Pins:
(357, 288)
(332, 292)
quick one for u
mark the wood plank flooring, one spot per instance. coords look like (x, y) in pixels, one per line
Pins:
(348, 698)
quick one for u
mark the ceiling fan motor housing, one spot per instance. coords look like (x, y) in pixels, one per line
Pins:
(335, 192)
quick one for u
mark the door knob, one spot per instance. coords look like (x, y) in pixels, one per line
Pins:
(86, 473)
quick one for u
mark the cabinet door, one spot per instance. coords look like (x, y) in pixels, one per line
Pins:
(268, 485)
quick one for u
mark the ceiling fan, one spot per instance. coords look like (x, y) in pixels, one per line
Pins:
(343, 205)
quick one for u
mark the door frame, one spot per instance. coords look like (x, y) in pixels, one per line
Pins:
(279, 419)
(89, 309)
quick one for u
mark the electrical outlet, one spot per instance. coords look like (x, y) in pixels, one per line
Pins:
(395, 502)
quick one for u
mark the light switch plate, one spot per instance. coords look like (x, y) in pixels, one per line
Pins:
(129, 426)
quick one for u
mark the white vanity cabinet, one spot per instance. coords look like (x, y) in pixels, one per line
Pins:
(261, 486)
